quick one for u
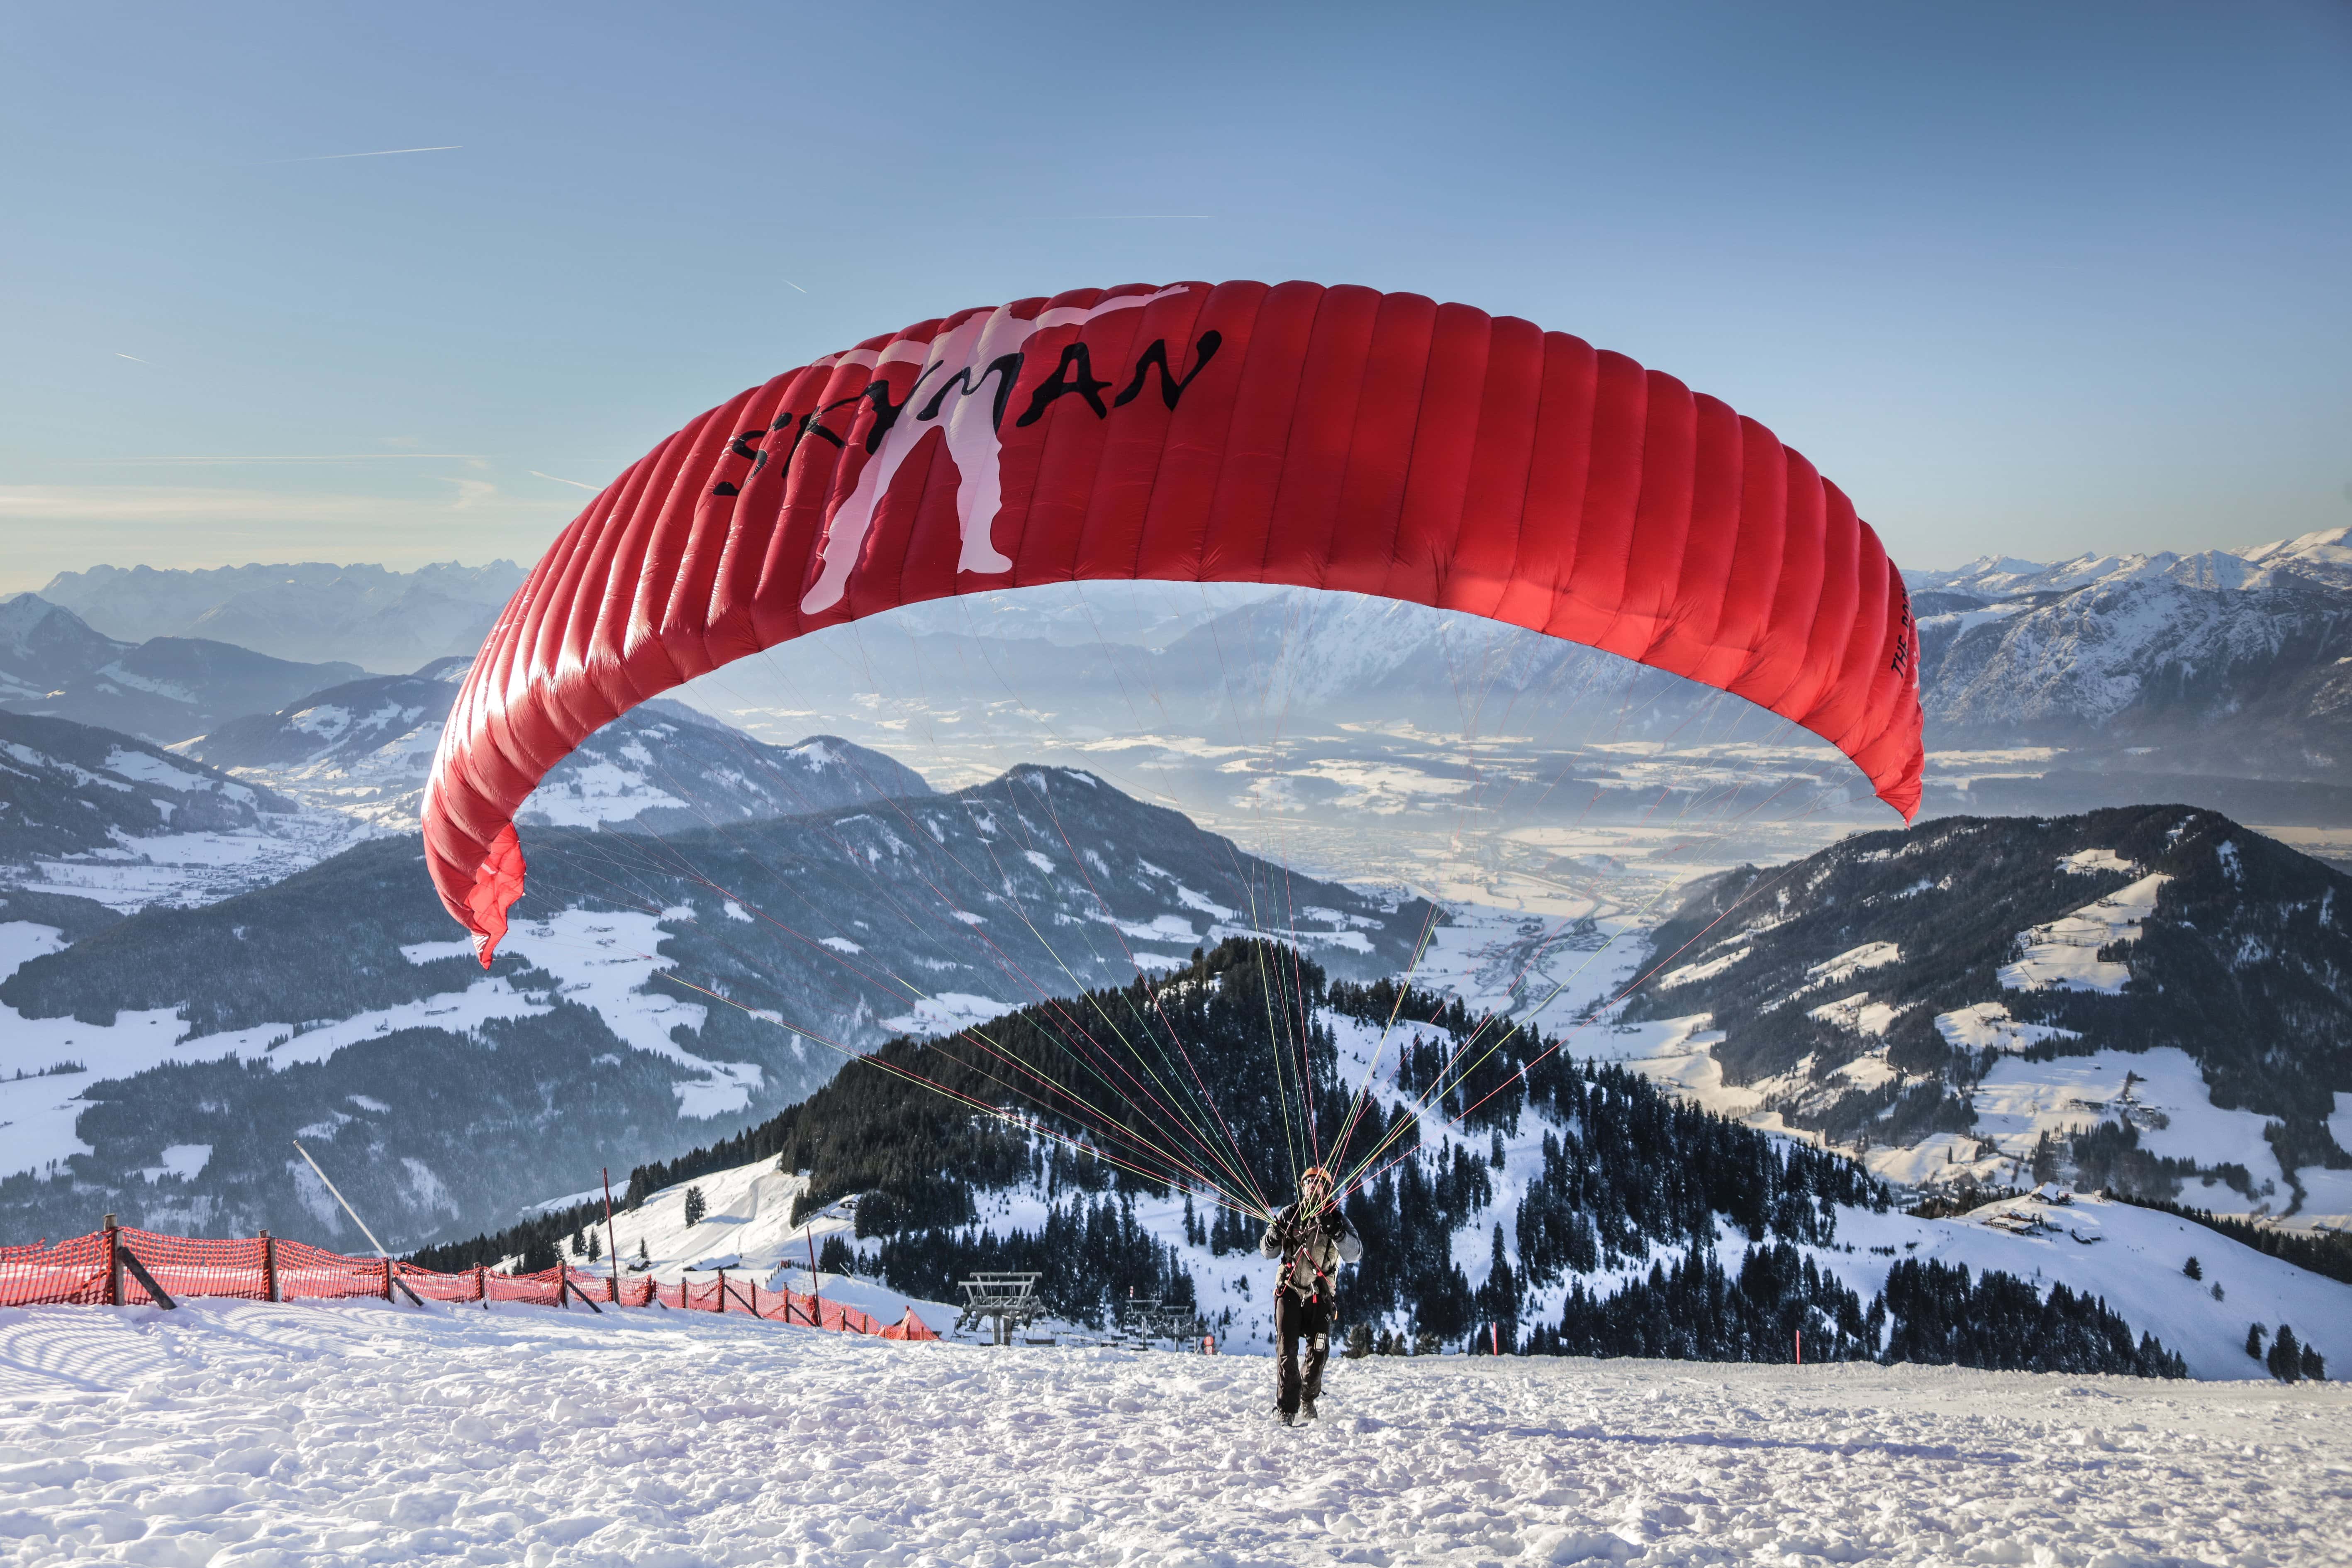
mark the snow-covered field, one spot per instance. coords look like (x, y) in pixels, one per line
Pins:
(241, 1435)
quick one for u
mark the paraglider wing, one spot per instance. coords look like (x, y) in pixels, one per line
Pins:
(1325, 438)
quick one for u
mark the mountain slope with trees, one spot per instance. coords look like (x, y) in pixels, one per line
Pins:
(686, 984)
(1536, 1203)
(1905, 985)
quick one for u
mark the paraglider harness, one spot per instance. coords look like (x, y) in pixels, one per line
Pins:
(1297, 1263)
(1304, 1234)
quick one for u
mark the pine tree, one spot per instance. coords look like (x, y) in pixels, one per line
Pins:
(1426, 1343)
(2195, 1270)
(2254, 1332)
(645, 1258)
(1359, 1341)
(579, 1247)
(2045, 1159)
(1496, 1158)
(595, 1245)
(2285, 1360)
(2315, 1365)
(695, 1207)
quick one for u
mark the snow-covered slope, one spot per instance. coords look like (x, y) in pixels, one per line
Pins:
(747, 1229)
(365, 748)
(2152, 998)
(102, 815)
(278, 1435)
(366, 615)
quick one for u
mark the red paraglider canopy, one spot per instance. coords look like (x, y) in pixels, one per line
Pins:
(1325, 438)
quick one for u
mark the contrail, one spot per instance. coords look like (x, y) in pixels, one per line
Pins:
(558, 478)
(386, 152)
(789, 283)
(133, 358)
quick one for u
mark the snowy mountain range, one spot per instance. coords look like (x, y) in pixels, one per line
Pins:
(162, 689)
(2215, 663)
(309, 611)
(364, 748)
(2147, 998)
(651, 991)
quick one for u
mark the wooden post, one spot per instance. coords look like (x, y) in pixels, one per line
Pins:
(482, 1285)
(155, 1291)
(612, 1237)
(114, 1255)
(722, 1292)
(387, 1278)
(1801, 1347)
(563, 1285)
(816, 1294)
(268, 1268)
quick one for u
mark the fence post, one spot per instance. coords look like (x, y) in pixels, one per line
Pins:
(722, 1291)
(387, 1279)
(268, 1268)
(482, 1285)
(562, 1286)
(114, 1249)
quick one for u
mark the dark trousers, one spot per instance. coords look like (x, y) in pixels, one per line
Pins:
(1295, 1321)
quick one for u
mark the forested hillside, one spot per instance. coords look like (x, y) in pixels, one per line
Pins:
(1533, 1201)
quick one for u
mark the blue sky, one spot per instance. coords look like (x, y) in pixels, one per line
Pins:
(2024, 278)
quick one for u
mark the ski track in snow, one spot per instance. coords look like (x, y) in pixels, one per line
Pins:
(245, 1435)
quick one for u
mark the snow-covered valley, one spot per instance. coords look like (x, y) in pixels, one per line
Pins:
(250, 1433)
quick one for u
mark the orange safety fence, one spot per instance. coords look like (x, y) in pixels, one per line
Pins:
(104, 1268)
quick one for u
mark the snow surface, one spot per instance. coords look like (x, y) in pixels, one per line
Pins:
(2064, 954)
(1987, 1025)
(2170, 1105)
(250, 1435)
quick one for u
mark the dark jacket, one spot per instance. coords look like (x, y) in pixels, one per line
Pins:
(1311, 1250)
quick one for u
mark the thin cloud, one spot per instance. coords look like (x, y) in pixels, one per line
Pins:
(306, 458)
(382, 153)
(141, 503)
(559, 478)
(225, 511)
(789, 284)
(133, 358)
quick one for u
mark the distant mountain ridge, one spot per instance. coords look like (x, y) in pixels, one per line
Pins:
(310, 612)
(163, 689)
(2214, 663)
(366, 747)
